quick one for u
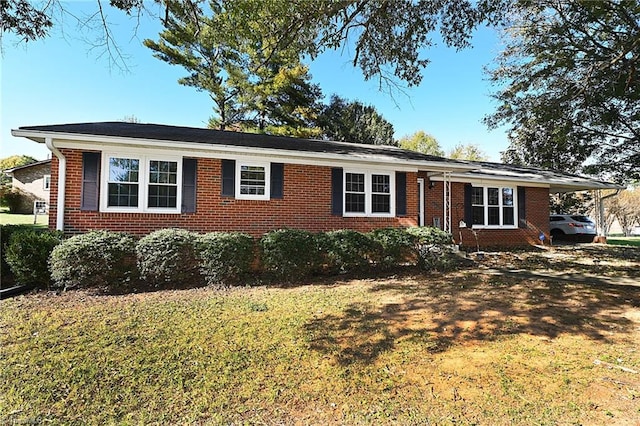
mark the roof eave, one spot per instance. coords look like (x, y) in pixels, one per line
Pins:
(40, 136)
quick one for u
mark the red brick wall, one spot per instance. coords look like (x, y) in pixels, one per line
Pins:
(306, 205)
(536, 211)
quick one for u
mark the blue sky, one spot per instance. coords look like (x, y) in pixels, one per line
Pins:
(60, 80)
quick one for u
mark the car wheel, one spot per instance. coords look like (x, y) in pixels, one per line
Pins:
(555, 233)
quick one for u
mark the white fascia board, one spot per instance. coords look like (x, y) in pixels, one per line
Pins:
(198, 149)
(490, 180)
(554, 185)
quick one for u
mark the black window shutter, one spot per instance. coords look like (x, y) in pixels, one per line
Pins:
(90, 181)
(468, 209)
(401, 193)
(277, 180)
(189, 168)
(228, 178)
(522, 217)
(336, 191)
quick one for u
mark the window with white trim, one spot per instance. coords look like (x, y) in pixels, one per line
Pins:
(369, 193)
(380, 193)
(46, 182)
(493, 206)
(123, 188)
(354, 193)
(141, 183)
(252, 181)
(163, 184)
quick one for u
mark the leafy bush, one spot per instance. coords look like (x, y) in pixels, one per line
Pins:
(429, 235)
(167, 259)
(94, 259)
(434, 248)
(289, 254)
(225, 258)
(397, 246)
(346, 250)
(27, 254)
(5, 235)
(17, 200)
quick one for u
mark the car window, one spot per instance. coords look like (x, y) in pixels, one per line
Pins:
(555, 218)
(582, 219)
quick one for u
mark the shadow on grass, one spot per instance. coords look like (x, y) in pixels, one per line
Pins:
(442, 311)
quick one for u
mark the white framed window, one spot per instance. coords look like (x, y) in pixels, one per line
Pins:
(354, 193)
(46, 182)
(369, 193)
(141, 183)
(163, 184)
(253, 181)
(493, 207)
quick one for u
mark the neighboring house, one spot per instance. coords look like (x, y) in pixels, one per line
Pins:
(142, 177)
(34, 182)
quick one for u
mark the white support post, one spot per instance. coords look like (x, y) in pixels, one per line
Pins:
(447, 201)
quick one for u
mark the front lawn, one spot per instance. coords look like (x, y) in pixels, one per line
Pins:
(624, 241)
(481, 346)
(23, 219)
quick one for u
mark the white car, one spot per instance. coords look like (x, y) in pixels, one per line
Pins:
(571, 227)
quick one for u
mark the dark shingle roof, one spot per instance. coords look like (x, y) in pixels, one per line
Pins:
(208, 136)
(26, 166)
(558, 181)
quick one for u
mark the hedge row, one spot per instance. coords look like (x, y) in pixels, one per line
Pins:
(174, 258)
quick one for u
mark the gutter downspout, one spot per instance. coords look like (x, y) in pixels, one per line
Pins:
(601, 207)
(62, 175)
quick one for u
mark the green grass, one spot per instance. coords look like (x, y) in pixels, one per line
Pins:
(624, 241)
(22, 219)
(433, 349)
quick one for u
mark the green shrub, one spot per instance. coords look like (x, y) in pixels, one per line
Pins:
(5, 235)
(289, 254)
(429, 235)
(95, 259)
(346, 250)
(397, 246)
(27, 254)
(167, 259)
(225, 258)
(434, 248)
(17, 200)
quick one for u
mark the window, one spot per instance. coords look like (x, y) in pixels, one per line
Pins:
(124, 174)
(163, 184)
(354, 193)
(141, 184)
(493, 206)
(252, 181)
(368, 194)
(46, 182)
(380, 194)
(477, 202)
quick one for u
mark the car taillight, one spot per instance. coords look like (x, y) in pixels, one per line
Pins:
(576, 225)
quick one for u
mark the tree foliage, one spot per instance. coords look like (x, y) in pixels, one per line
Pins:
(471, 152)
(569, 86)
(16, 161)
(346, 121)
(422, 142)
(10, 163)
(252, 86)
(388, 38)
